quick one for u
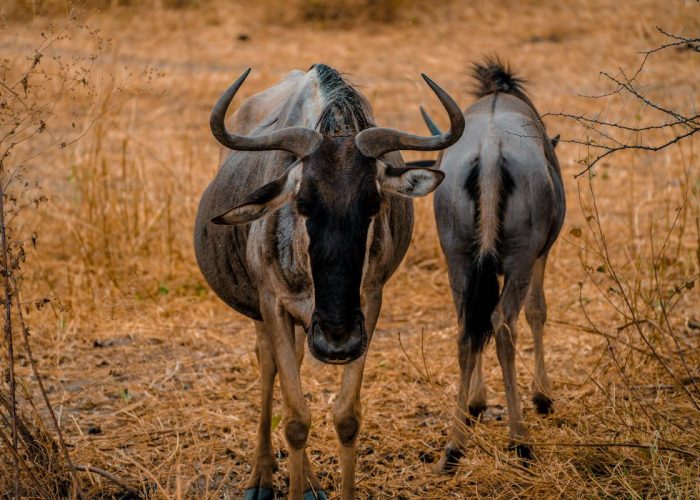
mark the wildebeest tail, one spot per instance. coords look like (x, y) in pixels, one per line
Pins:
(480, 299)
(489, 192)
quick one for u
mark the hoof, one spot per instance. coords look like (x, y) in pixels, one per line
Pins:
(477, 411)
(543, 404)
(259, 493)
(449, 460)
(524, 451)
(318, 495)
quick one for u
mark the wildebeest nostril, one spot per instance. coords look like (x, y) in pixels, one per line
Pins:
(337, 343)
(337, 331)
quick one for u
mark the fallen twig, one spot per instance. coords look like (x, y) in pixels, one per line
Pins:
(115, 479)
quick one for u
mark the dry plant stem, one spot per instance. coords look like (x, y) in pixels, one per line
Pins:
(620, 418)
(478, 437)
(29, 121)
(662, 303)
(27, 469)
(116, 480)
(619, 368)
(61, 441)
(8, 339)
(628, 301)
(624, 85)
(149, 473)
(587, 329)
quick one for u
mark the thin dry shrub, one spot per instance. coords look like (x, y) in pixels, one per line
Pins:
(656, 125)
(43, 471)
(636, 294)
(48, 102)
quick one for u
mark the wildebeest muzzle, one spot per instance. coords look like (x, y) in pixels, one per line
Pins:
(337, 344)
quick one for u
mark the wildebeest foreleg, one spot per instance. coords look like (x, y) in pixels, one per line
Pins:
(297, 418)
(347, 416)
(312, 485)
(536, 314)
(505, 323)
(259, 486)
(347, 410)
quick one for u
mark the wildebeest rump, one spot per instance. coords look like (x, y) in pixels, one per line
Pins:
(498, 213)
(307, 218)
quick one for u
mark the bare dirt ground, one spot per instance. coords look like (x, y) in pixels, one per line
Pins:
(155, 379)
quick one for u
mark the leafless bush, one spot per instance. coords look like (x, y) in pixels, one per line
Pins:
(47, 102)
(636, 279)
(666, 126)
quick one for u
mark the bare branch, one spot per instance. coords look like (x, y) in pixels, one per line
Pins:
(115, 479)
(612, 133)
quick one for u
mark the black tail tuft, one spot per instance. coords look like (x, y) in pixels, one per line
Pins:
(494, 75)
(480, 299)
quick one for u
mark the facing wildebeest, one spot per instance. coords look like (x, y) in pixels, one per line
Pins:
(339, 219)
(498, 213)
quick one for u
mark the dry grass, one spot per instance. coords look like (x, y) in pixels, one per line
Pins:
(155, 380)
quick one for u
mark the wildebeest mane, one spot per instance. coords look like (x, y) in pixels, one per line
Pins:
(494, 75)
(345, 110)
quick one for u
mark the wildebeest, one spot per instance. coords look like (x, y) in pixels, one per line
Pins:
(307, 218)
(498, 213)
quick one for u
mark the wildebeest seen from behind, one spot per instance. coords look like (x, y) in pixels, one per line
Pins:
(306, 220)
(498, 213)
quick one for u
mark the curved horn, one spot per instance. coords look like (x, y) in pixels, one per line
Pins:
(432, 127)
(300, 141)
(375, 142)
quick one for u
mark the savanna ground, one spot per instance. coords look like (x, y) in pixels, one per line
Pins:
(155, 380)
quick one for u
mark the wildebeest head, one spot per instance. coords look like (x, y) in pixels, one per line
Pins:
(336, 188)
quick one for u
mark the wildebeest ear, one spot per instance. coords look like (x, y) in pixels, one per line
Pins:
(421, 163)
(555, 140)
(412, 182)
(264, 200)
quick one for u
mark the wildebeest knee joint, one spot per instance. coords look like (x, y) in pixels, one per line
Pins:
(347, 429)
(296, 433)
(536, 316)
(496, 320)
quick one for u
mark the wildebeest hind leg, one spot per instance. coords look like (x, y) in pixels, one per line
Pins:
(468, 358)
(505, 323)
(259, 486)
(536, 314)
(477, 390)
